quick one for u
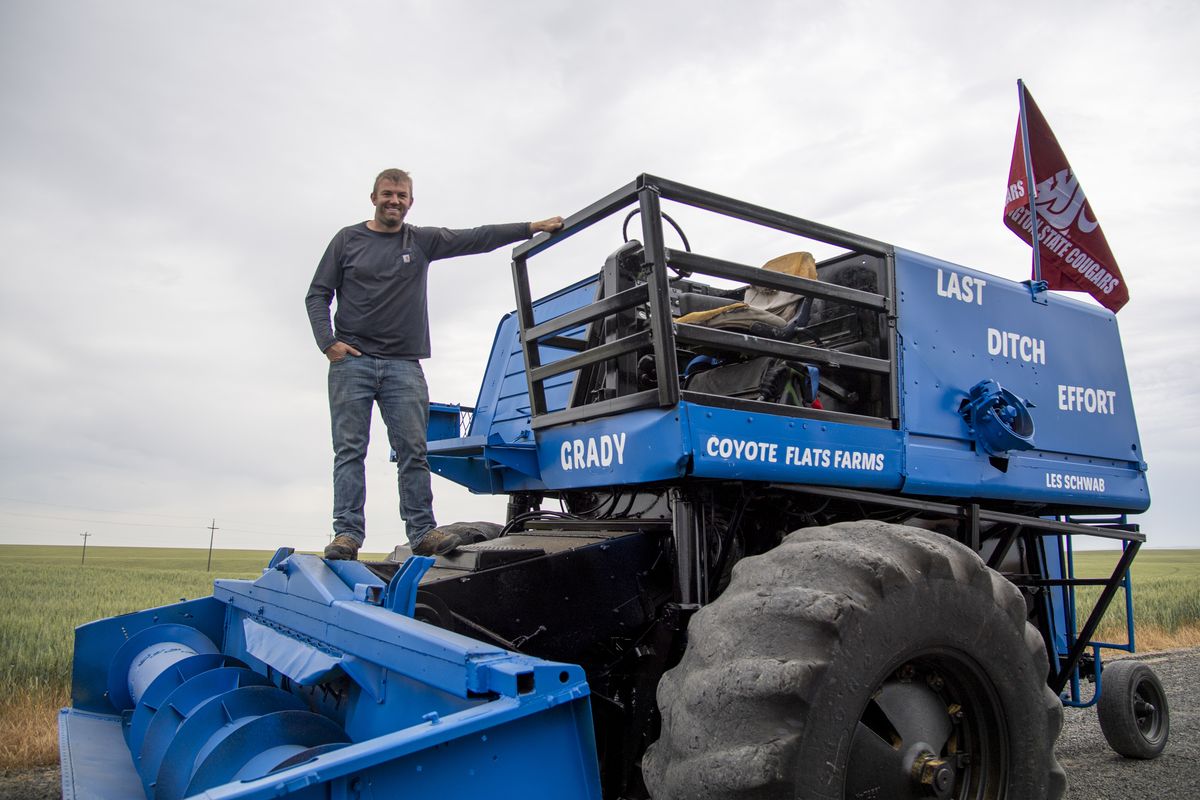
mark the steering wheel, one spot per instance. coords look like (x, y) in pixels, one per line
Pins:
(686, 246)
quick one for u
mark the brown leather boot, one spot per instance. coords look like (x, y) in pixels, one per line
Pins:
(342, 548)
(436, 543)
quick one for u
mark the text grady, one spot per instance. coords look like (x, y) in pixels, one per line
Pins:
(594, 451)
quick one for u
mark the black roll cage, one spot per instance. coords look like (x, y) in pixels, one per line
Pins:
(618, 296)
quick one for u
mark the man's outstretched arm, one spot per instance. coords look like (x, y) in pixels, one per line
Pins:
(441, 243)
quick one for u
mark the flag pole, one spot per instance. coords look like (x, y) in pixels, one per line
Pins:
(1036, 285)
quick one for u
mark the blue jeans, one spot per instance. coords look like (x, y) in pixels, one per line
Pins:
(356, 384)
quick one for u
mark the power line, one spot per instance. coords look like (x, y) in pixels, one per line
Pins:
(96, 521)
(21, 501)
(149, 538)
(126, 523)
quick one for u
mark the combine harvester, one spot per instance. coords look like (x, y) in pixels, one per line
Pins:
(815, 541)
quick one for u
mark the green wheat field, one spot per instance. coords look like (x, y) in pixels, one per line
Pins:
(46, 592)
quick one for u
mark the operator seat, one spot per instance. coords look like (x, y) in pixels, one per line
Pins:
(772, 307)
(764, 312)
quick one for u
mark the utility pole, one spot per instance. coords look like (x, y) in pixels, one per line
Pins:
(85, 536)
(212, 529)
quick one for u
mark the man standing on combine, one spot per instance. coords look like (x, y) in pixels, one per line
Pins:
(378, 271)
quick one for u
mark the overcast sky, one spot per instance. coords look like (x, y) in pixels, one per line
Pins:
(170, 173)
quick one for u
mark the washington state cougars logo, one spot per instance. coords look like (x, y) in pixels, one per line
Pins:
(1060, 201)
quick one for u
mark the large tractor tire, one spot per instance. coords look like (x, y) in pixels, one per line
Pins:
(860, 660)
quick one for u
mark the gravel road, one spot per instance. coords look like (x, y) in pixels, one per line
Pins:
(1094, 771)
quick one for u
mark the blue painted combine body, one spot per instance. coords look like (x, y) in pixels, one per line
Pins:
(955, 327)
(1063, 356)
(922, 392)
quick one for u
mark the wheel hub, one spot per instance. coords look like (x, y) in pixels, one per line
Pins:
(935, 776)
(929, 730)
(1144, 712)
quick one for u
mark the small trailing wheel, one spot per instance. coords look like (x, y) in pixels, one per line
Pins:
(1133, 710)
(860, 660)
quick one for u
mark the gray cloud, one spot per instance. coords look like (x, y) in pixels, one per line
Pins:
(170, 172)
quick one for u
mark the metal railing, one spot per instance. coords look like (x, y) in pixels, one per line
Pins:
(633, 317)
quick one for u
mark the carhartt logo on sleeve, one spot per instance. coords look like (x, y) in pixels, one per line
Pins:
(406, 258)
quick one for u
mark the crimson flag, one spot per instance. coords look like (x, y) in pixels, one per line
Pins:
(1074, 253)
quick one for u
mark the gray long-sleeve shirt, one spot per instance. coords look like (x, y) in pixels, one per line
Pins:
(380, 282)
